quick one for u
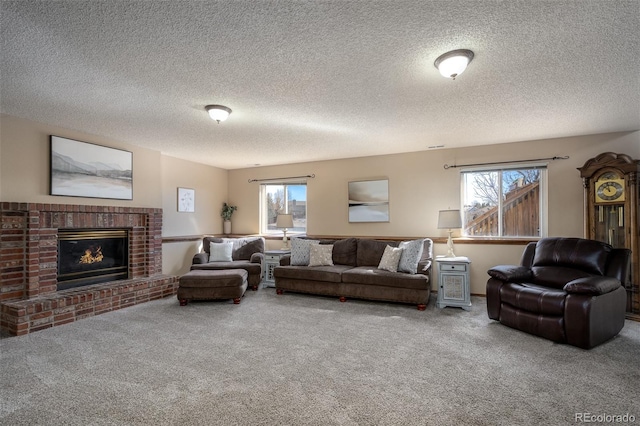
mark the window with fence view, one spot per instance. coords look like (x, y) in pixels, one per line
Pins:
(289, 198)
(504, 202)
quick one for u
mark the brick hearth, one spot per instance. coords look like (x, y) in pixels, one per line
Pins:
(29, 300)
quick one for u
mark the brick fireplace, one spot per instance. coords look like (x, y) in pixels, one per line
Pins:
(29, 298)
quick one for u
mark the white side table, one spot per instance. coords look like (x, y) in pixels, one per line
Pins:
(453, 282)
(271, 260)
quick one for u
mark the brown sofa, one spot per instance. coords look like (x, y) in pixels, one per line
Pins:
(355, 274)
(247, 254)
(568, 290)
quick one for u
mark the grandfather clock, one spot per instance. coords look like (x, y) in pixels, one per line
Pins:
(611, 199)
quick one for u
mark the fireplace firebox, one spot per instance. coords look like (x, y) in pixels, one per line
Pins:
(92, 256)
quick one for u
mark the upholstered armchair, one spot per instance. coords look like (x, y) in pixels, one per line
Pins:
(568, 290)
(243, 253)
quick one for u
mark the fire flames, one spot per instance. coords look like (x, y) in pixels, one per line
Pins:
(92, 255)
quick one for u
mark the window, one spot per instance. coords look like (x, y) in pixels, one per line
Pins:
(283, 198)
(505, 202)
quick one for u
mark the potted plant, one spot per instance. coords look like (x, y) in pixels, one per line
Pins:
(226, 213)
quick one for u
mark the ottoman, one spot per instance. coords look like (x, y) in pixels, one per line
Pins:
(212, 284)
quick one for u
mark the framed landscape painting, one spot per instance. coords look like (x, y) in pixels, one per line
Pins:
(369, 201)
(81, 169)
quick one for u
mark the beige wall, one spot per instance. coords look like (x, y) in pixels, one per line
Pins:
(210, 185)
(419, 186)
(25, 166)
(24, 177)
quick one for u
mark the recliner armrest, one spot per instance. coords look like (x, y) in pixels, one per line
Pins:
(200, 258)
(510, 273)
(257, 257)
(594, 285)
(285, 260)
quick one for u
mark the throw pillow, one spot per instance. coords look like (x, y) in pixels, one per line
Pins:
(206, 242)
(345, 252)
(220, 252)
(300, 251)
(321, 255)
(390, 259)
(411, 254)
(251, 246)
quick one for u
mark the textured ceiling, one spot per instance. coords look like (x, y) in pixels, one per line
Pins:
(317, 80)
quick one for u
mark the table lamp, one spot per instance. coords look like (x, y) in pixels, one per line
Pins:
(284, 221)
(449, 219)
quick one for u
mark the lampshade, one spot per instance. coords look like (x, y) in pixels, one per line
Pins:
(218, 112)
(452, 64)
(449, 219)
(284, 221)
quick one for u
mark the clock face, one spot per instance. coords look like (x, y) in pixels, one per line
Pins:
(610, 190)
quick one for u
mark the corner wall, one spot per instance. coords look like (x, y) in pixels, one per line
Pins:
(25, 166)
(210, 186)
(24, 178)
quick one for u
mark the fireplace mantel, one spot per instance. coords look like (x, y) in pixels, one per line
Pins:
(28, 262)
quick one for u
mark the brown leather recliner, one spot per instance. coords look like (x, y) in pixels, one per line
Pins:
(569, 290)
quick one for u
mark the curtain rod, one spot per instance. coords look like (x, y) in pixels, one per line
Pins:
(446, 166)
(282, 178)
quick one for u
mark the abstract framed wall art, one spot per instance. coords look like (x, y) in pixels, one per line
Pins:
(186, 200)
(82, 169)
(369, 201)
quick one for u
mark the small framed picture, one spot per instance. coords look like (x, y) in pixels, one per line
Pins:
(186, 200)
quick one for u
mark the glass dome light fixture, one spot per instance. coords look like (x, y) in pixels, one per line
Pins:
(452, 64)
(218, 112)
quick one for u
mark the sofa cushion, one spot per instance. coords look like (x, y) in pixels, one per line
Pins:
(320, 255)
(300, 251)
(587, 255)
(206, 242)
(374, 276)
(370, 251)
(318, 273)
(411, 255)
(390, 259)
(534, 298)
(243, 248)
(220, 252)
(213, 278)
(251, 268)
(345, 251)
(555, 277)
(248, 248)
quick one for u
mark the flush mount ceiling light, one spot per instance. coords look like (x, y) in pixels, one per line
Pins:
(452, 64)
(218, 112)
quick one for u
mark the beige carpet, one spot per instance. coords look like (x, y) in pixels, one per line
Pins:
(305, 360)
